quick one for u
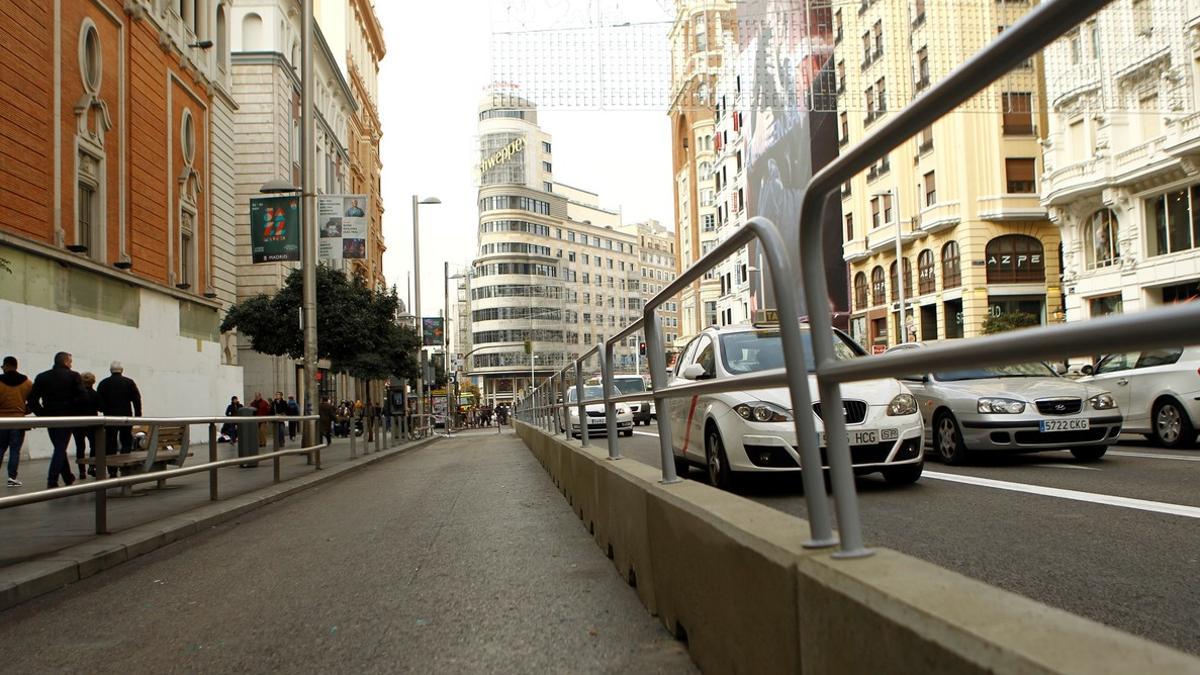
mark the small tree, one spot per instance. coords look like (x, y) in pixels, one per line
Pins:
(1010, 321)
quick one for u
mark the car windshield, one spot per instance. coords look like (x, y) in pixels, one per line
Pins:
(755, 350)
(590, 392)
(1012, 370)
(630, 385)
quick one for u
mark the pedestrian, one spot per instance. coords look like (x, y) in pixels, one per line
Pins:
(119, 397)
(14, 389)
(56, 393)
(327, 413)
(85, 437)
(293, 409)
(230, 429)
(261, 409)
(279, 407)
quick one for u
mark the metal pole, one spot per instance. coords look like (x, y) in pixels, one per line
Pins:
(658, 381)
(417, 308)
(212, 457)
(101, 474)
(308, 211)
(446, 341)
(582, 412)
(903, 328)
(610, 408)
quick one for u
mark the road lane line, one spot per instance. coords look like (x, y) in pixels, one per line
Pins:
(645, 433)
(1152, 455)
(1070, 466)
(1074, 495)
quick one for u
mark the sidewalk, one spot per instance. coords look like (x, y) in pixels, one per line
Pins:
(460, 557)
(36, 530)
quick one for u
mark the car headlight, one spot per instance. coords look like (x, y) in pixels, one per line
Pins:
(621, 410)
(1005, 406)
(760, 411)
(1103, 401)
(903, 404)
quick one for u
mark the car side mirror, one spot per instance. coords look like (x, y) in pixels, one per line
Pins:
(1088, 370)
(693, 371)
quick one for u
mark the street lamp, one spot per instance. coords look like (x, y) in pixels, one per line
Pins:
(902, 322)
(416, 202)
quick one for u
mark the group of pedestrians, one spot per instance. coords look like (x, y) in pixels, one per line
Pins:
(263, 407)
(62, 392)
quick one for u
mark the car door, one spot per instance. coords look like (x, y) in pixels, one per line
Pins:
(1113, 375)
(1151, 376)
(677, 409)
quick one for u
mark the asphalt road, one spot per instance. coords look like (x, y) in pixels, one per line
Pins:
(459, 557)
(1117, 541)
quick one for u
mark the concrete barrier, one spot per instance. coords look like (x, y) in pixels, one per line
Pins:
(732, 578)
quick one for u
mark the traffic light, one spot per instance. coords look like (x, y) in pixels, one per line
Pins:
(642, 348)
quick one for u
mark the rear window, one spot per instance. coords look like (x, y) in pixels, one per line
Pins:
(752, 351)
(630, 385)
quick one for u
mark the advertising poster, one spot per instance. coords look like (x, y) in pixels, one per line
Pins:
(785, 51)
(432, 331)
(274, 229)
(342, 227)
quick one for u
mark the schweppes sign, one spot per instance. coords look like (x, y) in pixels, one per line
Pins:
(502, 155)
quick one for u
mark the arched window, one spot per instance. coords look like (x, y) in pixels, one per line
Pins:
(860, 290)
(252, 33)
(907, 280)
(1100, 239)
(925, 276)
(1015, 258)
(951, 269)
(878, 286)
(222, 38)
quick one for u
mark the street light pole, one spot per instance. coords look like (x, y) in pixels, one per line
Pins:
(308, 210)
(899, 267)
(416, 202)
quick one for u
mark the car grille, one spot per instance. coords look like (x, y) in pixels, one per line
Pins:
(1060, 437)
(1060, 406)
(595, 413)
(856, 411)
(776, 457)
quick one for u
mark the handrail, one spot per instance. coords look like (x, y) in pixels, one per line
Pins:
(49, 422)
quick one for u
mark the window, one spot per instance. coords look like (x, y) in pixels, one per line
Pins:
(1094, 33)
(546, 147)
(701, 33)
(930, 189)
(837, 26)
(907, 280)
(1015, 258)
(709, 221)
(844, 123)
(849, 227)
(1019, 172)
(90, 58)
(222, 39)
(951, 271)
(1073, 45)
(187, 224)
(881, 94)
(1105, 305)
(1175, 219)
(86, 208)
(1143, 18)
(925, 140)
(860, 290)
(866, 40)
(877, 36)
(548, 186)
(878, 286)
(925, 275)
(1100, 239)
(887, 208)
(841, 77)
(922, 68)
(1018, 113)
(1149, 116)
(874, 213)
(918, 13)
(547, 167)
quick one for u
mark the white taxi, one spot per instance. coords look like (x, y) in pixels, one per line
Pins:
(753, 431)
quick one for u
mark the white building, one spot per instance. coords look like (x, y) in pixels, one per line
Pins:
(656, 253)
(1122, 176)
(729, 178)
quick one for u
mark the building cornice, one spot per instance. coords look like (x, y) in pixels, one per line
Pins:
(372, 27)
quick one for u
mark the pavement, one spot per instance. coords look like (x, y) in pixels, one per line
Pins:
(457, 557)
(1116, 541)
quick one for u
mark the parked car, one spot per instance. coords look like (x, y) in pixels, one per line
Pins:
(753, 431)
(1023, 407)
(596, 423)
(1157, 389)
(634, 384)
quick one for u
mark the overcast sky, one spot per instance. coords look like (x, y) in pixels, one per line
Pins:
(439, 62)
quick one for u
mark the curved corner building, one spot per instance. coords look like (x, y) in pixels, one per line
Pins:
(551, 268)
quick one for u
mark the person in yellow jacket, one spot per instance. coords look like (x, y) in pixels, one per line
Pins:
(14, 389)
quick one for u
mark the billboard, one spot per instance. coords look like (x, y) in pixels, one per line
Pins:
(432, 331)
(785, 50)
(342, 224)
(274, 229)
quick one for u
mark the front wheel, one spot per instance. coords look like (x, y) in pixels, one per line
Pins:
(948, 440)
(1089, 454)
(1172, 429)
(682, 468)
(719, 474)
(905, 474)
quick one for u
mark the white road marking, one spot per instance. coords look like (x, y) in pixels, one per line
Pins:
(647, 433)
(1151, 455)
(1074, 495)
(1070, 466)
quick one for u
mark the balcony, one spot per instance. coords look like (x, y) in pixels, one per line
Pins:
(940, 216)
(1001, 208)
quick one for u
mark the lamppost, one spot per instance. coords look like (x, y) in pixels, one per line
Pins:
(902, 321)
(416, 202)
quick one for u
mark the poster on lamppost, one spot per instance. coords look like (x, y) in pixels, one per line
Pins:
(274, 229)
(432, 331)
(342, 225)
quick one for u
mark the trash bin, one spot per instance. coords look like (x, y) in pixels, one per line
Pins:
(247, 436)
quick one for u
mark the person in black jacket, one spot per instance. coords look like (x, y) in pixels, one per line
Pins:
(279, 407)
(85, 437)
(119, 397)
(56, 393)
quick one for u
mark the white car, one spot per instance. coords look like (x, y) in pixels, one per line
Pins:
(752, 431)
(596, 422)
(1157, 389)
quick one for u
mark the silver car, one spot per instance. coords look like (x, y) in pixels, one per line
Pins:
(1013, 408)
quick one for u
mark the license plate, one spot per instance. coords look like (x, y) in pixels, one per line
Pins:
(857, 437)
(1074, 424)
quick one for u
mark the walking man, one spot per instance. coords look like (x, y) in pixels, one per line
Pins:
(85, 437)
(293, 409)
(327, 413)
(56, 393)
(262, 408)
(119, 397)
(14, 389)
(279, 407)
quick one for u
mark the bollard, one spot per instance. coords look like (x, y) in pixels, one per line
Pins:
(376, 422)
(247, 436)
(212, 457)
(353, 435)
(101, 474)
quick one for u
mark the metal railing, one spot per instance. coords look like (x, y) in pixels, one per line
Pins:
(1173, 326)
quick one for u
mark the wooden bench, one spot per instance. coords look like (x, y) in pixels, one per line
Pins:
(164, 444)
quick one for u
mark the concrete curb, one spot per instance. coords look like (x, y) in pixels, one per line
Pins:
(732, 578)
(27, 580)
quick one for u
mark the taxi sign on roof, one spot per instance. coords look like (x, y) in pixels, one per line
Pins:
(766, 316)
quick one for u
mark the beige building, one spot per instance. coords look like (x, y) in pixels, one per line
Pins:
(976, 241)
(364, 50)
(656, 255)
(698, 36)
(1122, 174)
